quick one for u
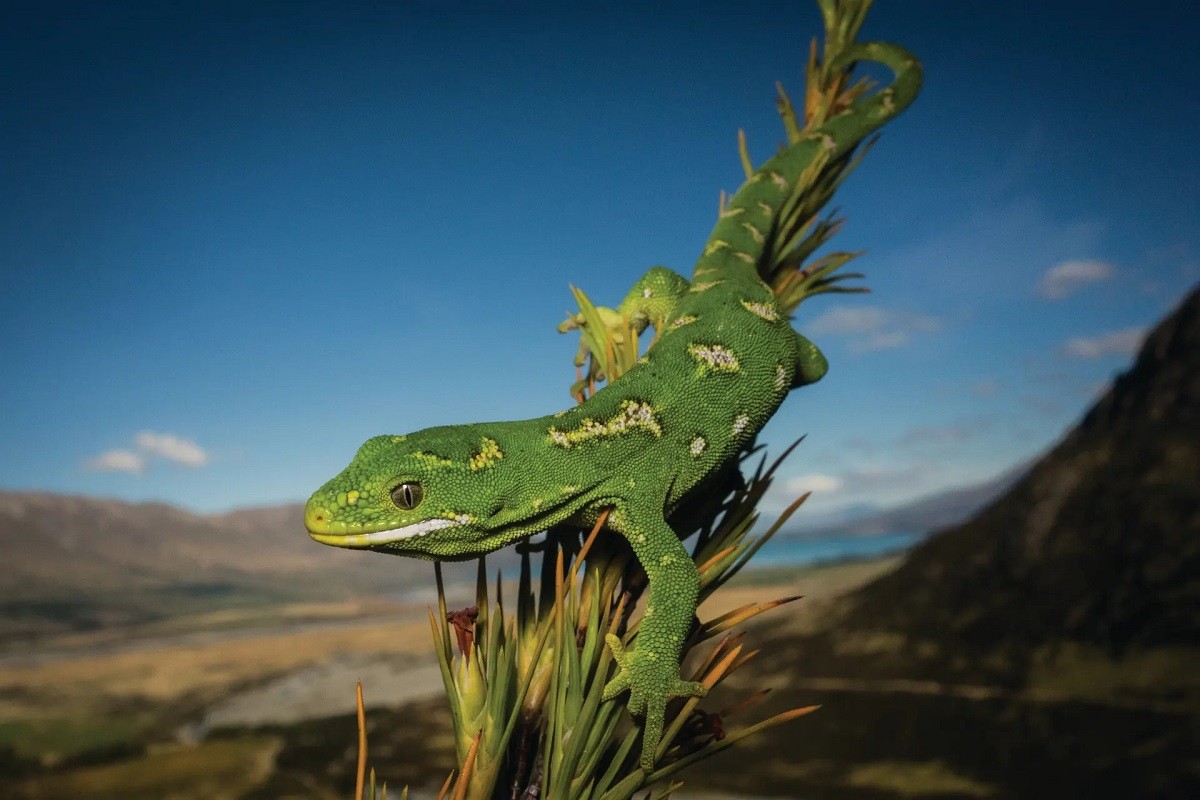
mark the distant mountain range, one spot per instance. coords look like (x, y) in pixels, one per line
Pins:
(923, 515)
(77, 563)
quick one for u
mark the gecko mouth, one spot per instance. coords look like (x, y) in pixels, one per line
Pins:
(377, 538)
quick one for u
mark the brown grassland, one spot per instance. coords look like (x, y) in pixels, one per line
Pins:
(86, 713)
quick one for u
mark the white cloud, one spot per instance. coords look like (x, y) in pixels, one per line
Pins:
(172, 448)
(117, 461)
(889, 340)
(1118, 343)
(149, 445)
(871, 478)
(870, 328)
(816, 483)
(943, 434)
(844, 320)
(1065, 279)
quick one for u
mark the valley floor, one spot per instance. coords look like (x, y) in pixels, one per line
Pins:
(262, 707)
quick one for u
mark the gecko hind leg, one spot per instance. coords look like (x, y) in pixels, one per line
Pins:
(650, 669)
(811, 364)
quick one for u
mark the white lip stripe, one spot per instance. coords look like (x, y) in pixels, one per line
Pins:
(406, 532)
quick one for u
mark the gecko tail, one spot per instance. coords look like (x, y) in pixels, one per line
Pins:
(821, 152)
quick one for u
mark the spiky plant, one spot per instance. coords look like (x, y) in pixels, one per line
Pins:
(525, 687)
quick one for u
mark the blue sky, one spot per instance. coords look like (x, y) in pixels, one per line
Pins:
(238, 239)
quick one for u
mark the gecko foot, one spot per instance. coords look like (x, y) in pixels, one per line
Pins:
(651, 682)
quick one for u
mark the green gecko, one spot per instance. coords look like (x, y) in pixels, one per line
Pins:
(725, 359)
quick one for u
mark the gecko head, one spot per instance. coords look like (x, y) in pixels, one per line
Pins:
(431, 494)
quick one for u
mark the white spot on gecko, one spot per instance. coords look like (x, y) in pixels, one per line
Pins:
(780, 377)
(765, 310)
(779, 181)
(754, 232)
(634, 415)
(646, 292)
(697, 446)
(714, 356)
(740, 424)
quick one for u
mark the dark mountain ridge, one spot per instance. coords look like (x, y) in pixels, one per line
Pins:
(1045, 648)
(1099, 542)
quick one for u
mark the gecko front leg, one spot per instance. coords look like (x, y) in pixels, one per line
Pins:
(650, 669)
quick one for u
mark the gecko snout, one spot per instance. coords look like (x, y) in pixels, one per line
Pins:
(316, 518)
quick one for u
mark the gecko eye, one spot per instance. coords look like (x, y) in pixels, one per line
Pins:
(407, 496)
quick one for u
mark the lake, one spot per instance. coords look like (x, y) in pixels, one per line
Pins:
(801, 552)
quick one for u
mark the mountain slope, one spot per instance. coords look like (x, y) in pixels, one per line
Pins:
(1098, 543)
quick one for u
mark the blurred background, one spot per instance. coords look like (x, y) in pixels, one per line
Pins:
(237, 240)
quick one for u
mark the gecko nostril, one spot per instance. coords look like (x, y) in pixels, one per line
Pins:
(318, 517)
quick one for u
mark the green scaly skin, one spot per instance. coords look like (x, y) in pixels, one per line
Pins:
(726, 358)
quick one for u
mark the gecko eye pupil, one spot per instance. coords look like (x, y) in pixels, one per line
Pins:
(407, 496)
